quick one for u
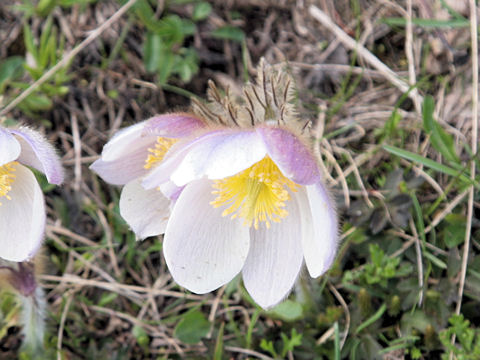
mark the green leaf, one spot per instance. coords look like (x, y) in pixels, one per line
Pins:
(201, 11)
(454, 232)
(37, 102)
(429, 163)
(10, 69)
(140, 335)
(435, 23)
(44, 7)
(288, 310)
(229, 33)
(441, 140)
(219, 344)
(29, 42)
(152, 51)
(192, 328)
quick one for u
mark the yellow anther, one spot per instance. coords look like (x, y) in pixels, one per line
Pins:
(7, 177)
(158, 152)
(257, 194)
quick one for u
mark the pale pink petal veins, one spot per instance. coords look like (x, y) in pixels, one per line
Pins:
(319, 228)
(176, 125)
(146, 211)
(38, 153)
(203, 250)
(9, 147)
(274, 259)
(292, 157)
(22, 219)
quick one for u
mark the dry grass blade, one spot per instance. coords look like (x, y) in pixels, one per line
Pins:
(471, 192)
(363, 52)
(67, 58)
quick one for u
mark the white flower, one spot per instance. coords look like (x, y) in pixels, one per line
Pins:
(130, 155)
(22, 207)
(252, 201)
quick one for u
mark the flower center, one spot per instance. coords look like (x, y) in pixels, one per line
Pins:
(157, 153)
(257, 194)
(7, 177)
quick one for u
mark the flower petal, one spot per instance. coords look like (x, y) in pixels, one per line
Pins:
(220, 155)
(9, 147)
(146, 211)
(177, 125)
(274, 259)
(127, 141)
(319, 229)
(120, 172)
(292, 157)
(39, 154)
(22, 219)
(203, 250)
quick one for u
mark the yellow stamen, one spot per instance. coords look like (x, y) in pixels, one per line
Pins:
(158, 152)
(7, 177)
(257, 194)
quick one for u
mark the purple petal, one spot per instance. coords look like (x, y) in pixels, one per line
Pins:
(292, 157)
(9, 147)
(177, 125)
(38, 153)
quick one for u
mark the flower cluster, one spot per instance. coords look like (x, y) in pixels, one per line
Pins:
(234, 186)
(22, 206)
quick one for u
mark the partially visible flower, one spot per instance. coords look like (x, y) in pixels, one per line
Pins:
(130, 155)
(22, 206)
(253, 200)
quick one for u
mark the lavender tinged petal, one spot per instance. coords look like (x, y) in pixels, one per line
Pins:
(178, 125)
(38, 153)
(127, 142)
(216, 155)
(22, 219)
(292, 157)
(9, 147)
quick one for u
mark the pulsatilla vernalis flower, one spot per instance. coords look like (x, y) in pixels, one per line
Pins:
(22, 207)
(130, 155)
(253, 200)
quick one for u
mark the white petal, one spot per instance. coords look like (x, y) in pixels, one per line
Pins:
(146, 211)
(274, 259)
(9, 147)
(216, 155)
(37, 152)
(203, 250)
(123, 157)
(22, 219)
(120, 172)
(125, 141)
(320, 229)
